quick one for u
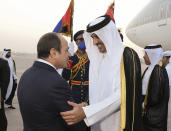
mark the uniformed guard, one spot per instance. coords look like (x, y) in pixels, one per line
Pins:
(77, 70)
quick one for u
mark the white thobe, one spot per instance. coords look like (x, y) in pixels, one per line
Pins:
(12, 77)
(105, 115)
(168, 68)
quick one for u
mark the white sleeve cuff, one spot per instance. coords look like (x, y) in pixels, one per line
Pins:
(86, 122)
(98, 111)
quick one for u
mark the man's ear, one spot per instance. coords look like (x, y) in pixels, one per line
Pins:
(54, 53)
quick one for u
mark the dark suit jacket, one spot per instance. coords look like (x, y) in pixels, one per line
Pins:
(42, 95)
(4, 76)
(4, 81)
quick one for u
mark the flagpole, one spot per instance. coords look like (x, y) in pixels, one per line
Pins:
(71, 22)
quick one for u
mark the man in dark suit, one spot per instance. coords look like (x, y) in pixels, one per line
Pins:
(42, 92)
(4, 80)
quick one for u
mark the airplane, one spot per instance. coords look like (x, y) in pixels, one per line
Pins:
(152, 25)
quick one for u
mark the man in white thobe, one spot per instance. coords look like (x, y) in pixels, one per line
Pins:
(13, 79)
(105, 50)
(155, 85)
(166, 58)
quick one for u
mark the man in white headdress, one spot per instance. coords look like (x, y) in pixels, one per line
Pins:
(77, 70)
(155, 89)
(13, 79)
(114, 80)
(166, 60)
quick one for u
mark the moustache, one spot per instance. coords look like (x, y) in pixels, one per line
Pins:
(99, 44)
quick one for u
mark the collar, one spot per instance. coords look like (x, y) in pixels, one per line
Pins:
(46, 62)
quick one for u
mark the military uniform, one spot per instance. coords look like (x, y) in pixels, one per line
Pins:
(77, 73)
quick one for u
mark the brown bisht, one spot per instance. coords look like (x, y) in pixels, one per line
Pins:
(131, 91)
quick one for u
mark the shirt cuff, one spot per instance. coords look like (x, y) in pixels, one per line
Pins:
(86, 122)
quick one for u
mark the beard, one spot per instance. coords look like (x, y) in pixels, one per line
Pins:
(8, 56)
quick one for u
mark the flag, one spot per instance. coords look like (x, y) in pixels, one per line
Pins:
(65, 25)
(110, 11)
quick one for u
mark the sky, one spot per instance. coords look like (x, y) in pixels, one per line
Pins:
(23, 22)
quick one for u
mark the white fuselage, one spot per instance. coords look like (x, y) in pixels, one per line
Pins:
(152, 25)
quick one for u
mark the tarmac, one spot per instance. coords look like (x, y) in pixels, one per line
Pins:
(23, 62)
(14, 119)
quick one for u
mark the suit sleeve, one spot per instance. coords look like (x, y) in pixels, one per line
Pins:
(5, 73)
(61, 95)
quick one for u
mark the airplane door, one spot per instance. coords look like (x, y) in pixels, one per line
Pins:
(163, 14)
